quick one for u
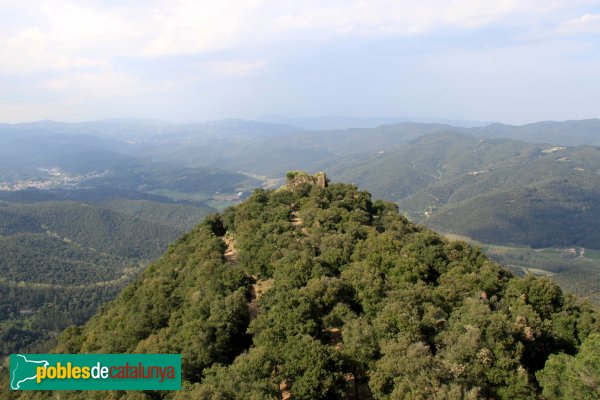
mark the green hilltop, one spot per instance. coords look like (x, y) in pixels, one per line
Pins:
(319, 292)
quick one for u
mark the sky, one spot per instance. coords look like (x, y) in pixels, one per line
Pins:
(512, 61)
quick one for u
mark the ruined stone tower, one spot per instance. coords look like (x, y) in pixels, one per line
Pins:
(297, 178)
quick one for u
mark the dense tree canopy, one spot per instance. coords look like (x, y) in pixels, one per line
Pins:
(353, 301)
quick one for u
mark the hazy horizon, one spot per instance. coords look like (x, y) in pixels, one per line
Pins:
(293, 121)
(272, 119)
(513, 62)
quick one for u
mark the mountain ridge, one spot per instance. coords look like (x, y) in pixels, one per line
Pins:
(361, 301)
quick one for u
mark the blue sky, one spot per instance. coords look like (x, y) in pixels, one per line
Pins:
(505, 60)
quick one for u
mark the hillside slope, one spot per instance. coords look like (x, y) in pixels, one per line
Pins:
(62, 259)
(320, 292)
(493, 190)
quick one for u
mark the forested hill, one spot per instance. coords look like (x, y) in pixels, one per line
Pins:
(492, 190)
(320, 292)
(60, 260)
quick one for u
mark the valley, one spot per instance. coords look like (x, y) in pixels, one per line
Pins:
(287, 200)
(62, 259)
(493, 185)
(317, 291)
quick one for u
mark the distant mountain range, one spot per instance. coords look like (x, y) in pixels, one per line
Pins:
(495, 183)
(65, 187)
(340, 122)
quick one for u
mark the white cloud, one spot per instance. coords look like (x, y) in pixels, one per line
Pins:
(32, 50)
(73, 32)
(234, 68)
(587, 23)
(70, 53)
(188, 27)
(107, 84)
(398, 17)
(84, 96)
